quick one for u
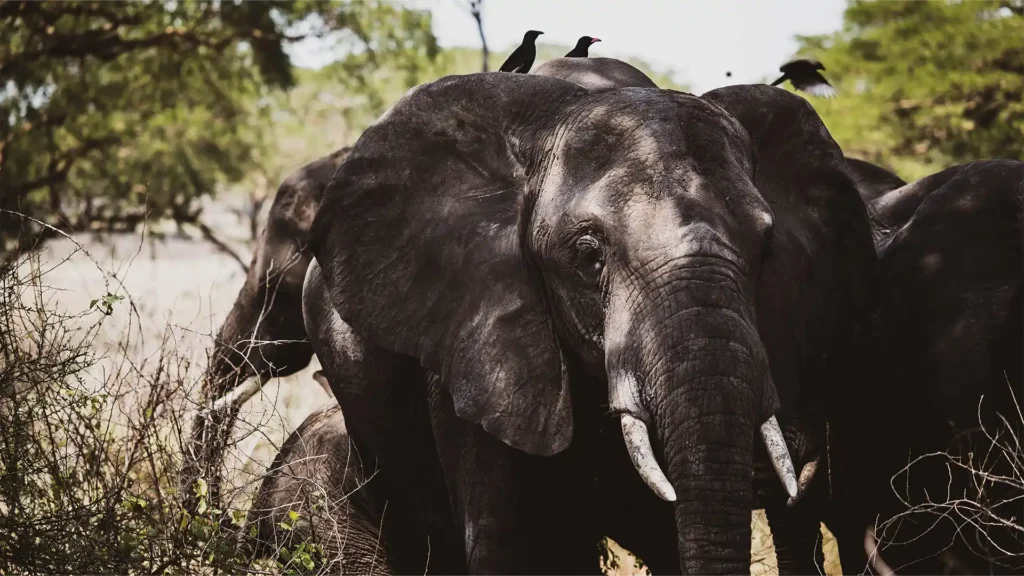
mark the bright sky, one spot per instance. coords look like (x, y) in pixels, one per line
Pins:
(699, 39)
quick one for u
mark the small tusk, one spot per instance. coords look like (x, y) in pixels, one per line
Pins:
(874, 559)
(638, 444)
(238, 395)
(322, 381)
(776, 444)
(802, 483)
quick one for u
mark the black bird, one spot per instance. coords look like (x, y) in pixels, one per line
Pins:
(521, 59)
(582, 46)
(803, 75)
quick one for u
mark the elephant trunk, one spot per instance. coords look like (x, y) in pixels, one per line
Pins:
(698, 378)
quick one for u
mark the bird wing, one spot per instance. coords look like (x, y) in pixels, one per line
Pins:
(514, 61)
(814, 84)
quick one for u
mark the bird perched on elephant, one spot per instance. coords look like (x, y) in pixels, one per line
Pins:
(941, 348)
(521, 59)
(581, 279)
(318, 491)
(582, 48)
(263, 336)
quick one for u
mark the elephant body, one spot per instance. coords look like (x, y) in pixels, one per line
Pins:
(263, 336)
(595, 74)
(318, 475)
(942, 347)
(546, 290)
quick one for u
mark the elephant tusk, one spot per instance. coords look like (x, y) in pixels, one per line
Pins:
(638, 444)
(776, 444)
(322, 381)
(806, 475)
(238, 395)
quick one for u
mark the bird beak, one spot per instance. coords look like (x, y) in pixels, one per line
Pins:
(592, 40)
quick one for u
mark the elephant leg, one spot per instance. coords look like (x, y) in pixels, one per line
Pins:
(383, 399)
(796, 533)
(518, 513)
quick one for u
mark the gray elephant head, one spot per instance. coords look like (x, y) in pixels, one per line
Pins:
(502, 228)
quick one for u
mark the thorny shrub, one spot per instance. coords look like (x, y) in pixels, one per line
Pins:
(91, 444)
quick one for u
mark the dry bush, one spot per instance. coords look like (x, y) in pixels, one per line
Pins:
(981, 509)
(91, 443)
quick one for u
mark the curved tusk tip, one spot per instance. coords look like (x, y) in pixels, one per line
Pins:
(791, 487)
(666, 492)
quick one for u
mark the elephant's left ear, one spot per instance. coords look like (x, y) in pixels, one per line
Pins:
(421, 235)
(820, 225)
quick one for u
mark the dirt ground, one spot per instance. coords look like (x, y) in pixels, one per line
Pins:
(186, 284)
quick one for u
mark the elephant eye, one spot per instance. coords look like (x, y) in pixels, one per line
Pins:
(589, 259)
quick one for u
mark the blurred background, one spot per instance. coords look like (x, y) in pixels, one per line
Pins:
(141, 143)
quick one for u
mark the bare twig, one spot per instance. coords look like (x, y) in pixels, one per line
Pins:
(209, 235)
(475, 10)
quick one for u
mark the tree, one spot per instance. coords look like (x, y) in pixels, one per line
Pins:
(118, 112)
(476, 11)
(923, 85)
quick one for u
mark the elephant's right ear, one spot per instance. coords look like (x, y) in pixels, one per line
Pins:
(420, 236)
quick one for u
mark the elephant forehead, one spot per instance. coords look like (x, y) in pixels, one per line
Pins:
(646, 133)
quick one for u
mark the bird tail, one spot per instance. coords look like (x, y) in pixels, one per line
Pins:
(780, 80)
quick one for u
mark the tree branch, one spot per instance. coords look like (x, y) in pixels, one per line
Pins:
(475, 7)
(220, 244)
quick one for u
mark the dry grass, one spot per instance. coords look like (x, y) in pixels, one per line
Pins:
(762, 552)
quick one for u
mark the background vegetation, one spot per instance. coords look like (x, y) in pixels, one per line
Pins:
(924, 85)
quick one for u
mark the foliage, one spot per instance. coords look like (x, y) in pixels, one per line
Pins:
(89, 458)
(923, 85)
(116, 112)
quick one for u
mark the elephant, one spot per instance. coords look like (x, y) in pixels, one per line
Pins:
(319, 476)
(565, 291)
(263, 336)
(942, 346)
(872, 180)
(595, 74)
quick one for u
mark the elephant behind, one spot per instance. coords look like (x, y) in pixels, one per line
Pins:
(319, 476)
(945, 332)
(263, 336)
(872, 180)
(634, 279)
